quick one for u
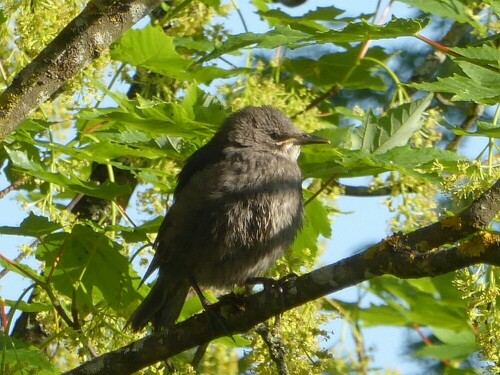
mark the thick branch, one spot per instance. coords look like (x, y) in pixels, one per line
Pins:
(396, 256)
(81, 41)
(243, 313)
(475, 217)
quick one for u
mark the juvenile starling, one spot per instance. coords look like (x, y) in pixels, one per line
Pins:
(237, 209)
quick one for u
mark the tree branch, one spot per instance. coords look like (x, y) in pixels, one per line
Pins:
(246, 312)
(81, 41)
(399, 255)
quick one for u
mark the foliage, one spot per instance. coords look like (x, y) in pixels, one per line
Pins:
(320, 68)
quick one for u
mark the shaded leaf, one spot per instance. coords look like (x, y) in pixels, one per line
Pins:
(21, 358)
(333, 69)
(89, 264)
(32, 226)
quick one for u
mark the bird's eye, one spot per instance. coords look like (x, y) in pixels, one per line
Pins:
(276, 136)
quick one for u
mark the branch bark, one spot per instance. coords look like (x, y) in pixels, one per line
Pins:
(399, 255)
(81, 41)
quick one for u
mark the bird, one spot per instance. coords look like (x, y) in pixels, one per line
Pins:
(237, 209)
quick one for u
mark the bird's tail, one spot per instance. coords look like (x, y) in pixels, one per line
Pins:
(162, 306)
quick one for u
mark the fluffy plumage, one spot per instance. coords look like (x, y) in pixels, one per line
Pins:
(237, 209)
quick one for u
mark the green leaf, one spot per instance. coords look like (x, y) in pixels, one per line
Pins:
(484, 129)
(213, 4)
(3, 18)
(463, 88)
(336, 135)
(235, 341)
(392, 129)
(494, 5)
(383, 316)
(287, 37)
(89, 264)
(32, 226)
(316, 223)
(317, 217)
(450, 336)
(485, 53)
(333, 69)
(21, 358)
(306, 22)
(140, 233)
(107, 190)
(29, 307)
(150, 48)
(453, 9)
(417, 306)
(154, 117)
(20, 269)
(479, 74)
(204, 45)
(362, 31)
(355, 163)
(449, 351)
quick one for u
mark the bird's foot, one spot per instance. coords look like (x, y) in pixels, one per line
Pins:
(270, 285)
(212, 310)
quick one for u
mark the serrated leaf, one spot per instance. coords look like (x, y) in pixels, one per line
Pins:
(107, 190)
(393, 129)
(486, 53)
(235, 341)
(463, 88)
(155, 117)
(92, 265)
(140, 233)
(317, 217)
(306, 22)
(336, 135)
(204, 45)
(453, 9)
(356, 163)
(361, 31)
(287, 37)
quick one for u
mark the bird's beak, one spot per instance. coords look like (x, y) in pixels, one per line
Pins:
(301, 139)
(308, 139)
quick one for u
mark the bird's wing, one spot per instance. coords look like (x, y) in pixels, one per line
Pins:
(205, 156)
(160, 252)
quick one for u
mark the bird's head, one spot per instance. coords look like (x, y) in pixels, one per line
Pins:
(267, 129)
